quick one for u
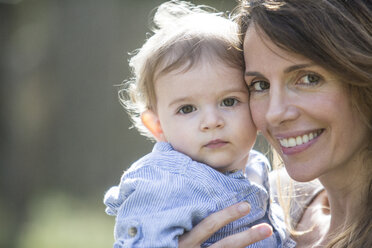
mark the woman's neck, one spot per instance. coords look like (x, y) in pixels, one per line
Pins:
(344, 187)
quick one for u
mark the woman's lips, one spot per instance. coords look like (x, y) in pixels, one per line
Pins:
(216, 143)
(291, 145)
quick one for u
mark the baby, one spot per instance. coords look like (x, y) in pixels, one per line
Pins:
(188, 93)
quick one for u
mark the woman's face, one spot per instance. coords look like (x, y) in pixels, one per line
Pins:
(303, 111)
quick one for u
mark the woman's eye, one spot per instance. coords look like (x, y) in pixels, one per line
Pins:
(259, 86)
(309, 79)
(229, 102)
(187, 109)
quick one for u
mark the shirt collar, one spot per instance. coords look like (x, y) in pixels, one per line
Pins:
(162, 146)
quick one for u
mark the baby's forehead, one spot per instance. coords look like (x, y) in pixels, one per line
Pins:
(213, 73)
(188, 64)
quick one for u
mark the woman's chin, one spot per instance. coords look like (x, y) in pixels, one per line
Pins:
(300, 175)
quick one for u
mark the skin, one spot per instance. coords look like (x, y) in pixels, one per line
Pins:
(204, 113)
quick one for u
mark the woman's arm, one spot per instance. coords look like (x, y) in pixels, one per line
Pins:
(215, 221)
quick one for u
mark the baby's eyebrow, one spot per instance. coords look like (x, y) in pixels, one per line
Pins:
(191, 99)
(178, 100)
(236, 91)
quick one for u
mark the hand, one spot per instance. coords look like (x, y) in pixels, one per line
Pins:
(216, 221)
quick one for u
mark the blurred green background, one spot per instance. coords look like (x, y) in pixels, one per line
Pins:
(65, 139)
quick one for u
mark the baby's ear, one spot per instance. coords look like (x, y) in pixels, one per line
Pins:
(151, 121)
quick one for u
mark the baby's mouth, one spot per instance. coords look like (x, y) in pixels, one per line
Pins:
(216, 143)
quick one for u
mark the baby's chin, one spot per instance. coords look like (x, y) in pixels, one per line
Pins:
(225, 167)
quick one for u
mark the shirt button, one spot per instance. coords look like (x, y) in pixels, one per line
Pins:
(132, 231)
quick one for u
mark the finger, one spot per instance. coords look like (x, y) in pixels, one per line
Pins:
(206, 228)
(248, 237)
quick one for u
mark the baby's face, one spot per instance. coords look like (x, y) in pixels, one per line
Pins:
(204, 113)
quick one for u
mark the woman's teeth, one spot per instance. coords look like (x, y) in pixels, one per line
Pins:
(299, 140)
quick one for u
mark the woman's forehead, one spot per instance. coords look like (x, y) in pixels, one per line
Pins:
(260, 50)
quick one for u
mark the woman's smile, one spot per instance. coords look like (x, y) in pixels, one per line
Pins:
(298, 143)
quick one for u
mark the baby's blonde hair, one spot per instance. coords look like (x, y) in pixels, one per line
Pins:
(183, 34)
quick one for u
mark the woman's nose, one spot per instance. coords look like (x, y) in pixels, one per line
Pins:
(280, 109)
(211, 120)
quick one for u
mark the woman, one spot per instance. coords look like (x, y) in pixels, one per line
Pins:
(309, 70)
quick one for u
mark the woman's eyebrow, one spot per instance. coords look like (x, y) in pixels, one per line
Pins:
(296, 67)
(253, 74)
(287, 70)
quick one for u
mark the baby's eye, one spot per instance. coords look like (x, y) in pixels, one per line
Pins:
(259, 86)
(309, 79)
(186, 109)
(229, 102)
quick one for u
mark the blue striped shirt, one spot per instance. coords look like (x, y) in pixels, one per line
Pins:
(166, 193)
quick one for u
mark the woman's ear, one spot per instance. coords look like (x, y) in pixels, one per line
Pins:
(151, 121)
